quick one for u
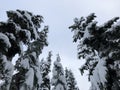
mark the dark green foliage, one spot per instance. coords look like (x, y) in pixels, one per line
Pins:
(38, 44)
(98, 42)
(21, 26)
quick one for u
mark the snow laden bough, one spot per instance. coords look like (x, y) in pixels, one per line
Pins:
(21, 29)
(99, 45)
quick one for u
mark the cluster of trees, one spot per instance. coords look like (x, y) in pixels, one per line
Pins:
(29, 73)
(99, 45)
(62, 80)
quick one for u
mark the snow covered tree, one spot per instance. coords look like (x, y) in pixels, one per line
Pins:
(20, 29)
(70, 79)
(99, 46)
(29, 74)
(45, 70)
(58, 80)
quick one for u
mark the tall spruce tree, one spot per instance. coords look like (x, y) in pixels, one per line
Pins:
(20, 29)
(70, 79)
(45, 70)
(58, 80)
(99, 46)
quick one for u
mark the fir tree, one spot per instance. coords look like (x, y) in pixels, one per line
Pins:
(45, 70)
(99, 46)
(20, 28)
(58, 79)
(70, 79)
(28, 66)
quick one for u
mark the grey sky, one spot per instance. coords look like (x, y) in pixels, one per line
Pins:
(59, 15)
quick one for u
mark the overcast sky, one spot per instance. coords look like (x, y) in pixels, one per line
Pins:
(59, 15)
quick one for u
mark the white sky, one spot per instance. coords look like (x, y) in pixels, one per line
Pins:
(59, 15)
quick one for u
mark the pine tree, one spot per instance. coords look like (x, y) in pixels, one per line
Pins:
(70, 79)
(99, 46)
(20, 29)
(58, 80)
(45, 70)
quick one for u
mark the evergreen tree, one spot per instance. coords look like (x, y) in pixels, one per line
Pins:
(20, 28)
(45, 70)
(99, 46)
(29, 76)
(70, 79)
(58, 79)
